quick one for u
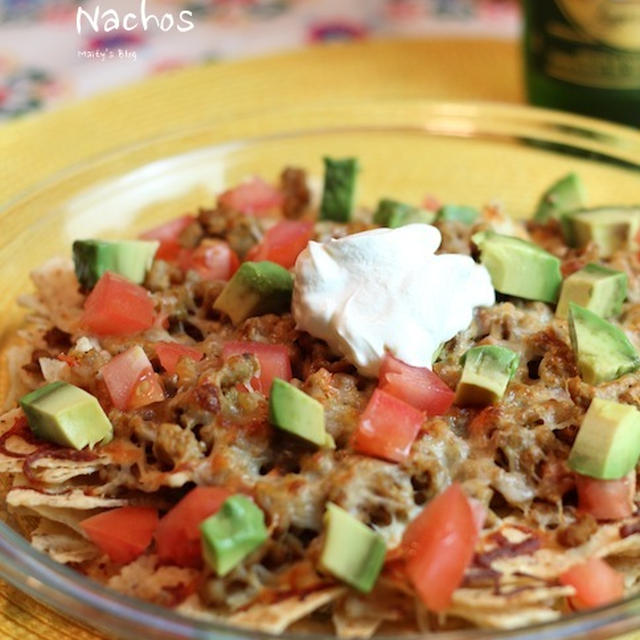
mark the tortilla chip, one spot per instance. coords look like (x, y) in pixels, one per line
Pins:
(275, 618)
(354, 617)
(70, 518)
(57, 289)
(61, 543)
(548, 563)
(11, 385)
(144, 578)
(505, 618)
(74, 499)
(487, 598)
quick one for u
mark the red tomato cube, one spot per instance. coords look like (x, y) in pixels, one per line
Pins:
(439, 546)
(168, 235)
(606, 499)
(169, 354)
(387, 427)
(123, 533)
(131, 381)
(117, 307)
(213, 260)
(254, 197)
(283, 243)
(178, 534)
(595, 582)
(418, 386)
(273, 359)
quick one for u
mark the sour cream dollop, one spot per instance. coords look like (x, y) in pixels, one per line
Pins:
(386, 290)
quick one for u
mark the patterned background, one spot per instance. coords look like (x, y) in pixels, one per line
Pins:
(44, 61)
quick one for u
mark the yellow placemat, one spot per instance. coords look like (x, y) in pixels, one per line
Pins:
(35, 147)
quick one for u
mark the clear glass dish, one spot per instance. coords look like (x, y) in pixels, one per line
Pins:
(468, 153)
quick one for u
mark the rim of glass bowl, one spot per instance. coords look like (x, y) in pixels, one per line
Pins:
(83, 599)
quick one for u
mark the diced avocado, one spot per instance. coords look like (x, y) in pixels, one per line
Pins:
(608, 443)
(610, 229)
(66, 415)
(602, 350)
(457, 213)
(255, 289)
(391, 213)
(352, 552)
(564, 196)
(486, 374)
(296, 412)
(231, 534)
(519, 268)
(338, 196)
(595, 288)
(128, 258)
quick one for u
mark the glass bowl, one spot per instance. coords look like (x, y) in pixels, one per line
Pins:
(468, 153)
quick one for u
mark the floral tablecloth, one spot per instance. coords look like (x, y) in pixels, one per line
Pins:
(45, 61)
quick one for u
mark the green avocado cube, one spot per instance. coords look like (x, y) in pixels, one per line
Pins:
(486, 373)
(338, 195)
(595, 288)
(294, 411)
(457, 213)
(231, 534)
(352, 552)
(608, 443)
(255, 289)
(611, 229)
(393, 214)
(563, 197)
(67, 415)
(519, 268)
(128, 258)
(603, 351)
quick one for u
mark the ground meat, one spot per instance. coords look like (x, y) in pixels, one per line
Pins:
(377, 492)
(191, 235)
(293, 184)
(163, 275)
(342, 400)
(174, 445)
(57, 339)
(243, 234)
(456, 237)
(578, 532)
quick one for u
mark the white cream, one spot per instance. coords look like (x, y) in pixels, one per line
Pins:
(386, 290)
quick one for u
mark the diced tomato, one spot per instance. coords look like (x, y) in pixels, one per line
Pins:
(439, 546)
(213, 260)
(169, 354)
(418, 386)
(131, 381)
(168, 235)
(387, 428)
(283, 243)
(147, 390)
(178, 534)
(117, 307)
(273, 358)
(431, 203)
(606, 499)
(123, 533)
(254, 197)
(595, 582)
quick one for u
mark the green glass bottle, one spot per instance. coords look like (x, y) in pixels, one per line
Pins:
(584, 56)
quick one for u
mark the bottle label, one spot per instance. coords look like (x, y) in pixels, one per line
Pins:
(594, 43)
(615, 23)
